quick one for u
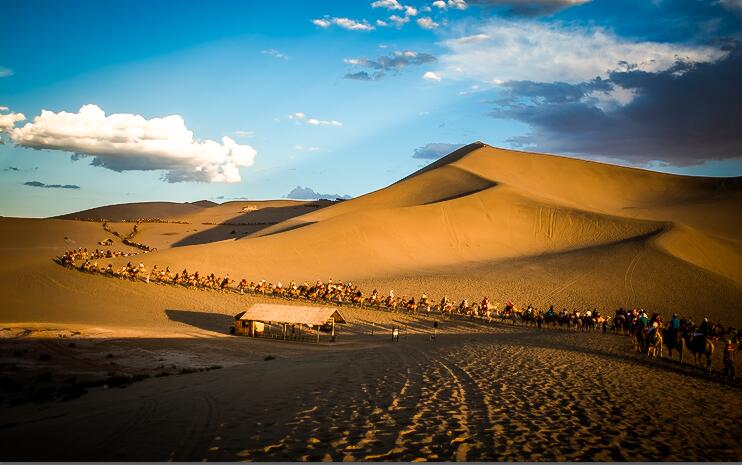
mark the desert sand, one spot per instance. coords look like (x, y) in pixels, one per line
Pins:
(483, 221)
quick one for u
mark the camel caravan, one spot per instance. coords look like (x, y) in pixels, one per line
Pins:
(71, 256)
(649, 334)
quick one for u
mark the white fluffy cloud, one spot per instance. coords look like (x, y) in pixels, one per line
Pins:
(453, 4)
(300, 118)
(394, 5)
(345, 23)
(432, 76)
(8, 120)
(388, 4)
(123, 142)
(323, 23)
(399, 21)
(427, 23)
(524, 50)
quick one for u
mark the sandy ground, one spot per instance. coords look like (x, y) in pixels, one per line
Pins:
(474, 394)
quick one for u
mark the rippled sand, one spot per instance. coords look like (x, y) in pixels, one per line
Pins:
(480, 394)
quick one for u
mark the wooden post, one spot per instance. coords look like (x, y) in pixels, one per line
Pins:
(317, 326)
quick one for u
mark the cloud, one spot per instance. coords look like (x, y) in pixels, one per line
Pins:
(684, 115)
(427, 23)
(393, 62)
(387, 4)
(240, 133)
(453, 4)
(733, 5)
(364, 76)
(435, 150)
(431, 76)
(502, 50)
(300, 118)
(530, 7)
(301, 148)
(124, 142)
(50, 186)
(274, 53)
(394, 5)
(8, 120)
(306, 193)
(5, 72)
(399, 21)
(345, 23)
(20, 170)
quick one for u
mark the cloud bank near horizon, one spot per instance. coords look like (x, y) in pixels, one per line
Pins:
(307, 193)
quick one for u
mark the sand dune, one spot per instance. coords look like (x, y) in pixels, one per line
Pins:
(482, 208)
(133, 211)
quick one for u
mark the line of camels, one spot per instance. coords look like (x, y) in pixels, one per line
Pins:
(649, 335)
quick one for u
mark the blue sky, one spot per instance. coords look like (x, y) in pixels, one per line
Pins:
(347, 97)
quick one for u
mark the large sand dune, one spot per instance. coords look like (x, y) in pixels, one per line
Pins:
(483, 212)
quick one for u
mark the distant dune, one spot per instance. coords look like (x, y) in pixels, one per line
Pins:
(133, 211)
(534, 228)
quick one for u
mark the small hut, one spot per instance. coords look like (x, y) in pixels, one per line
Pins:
(288, 322)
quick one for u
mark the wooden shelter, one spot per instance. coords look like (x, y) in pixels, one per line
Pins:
(288, 322)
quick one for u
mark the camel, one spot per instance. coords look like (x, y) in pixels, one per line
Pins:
(673, 341)
(653, 347)
(699, 346)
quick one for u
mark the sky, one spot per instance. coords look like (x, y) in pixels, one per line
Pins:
(105, 102)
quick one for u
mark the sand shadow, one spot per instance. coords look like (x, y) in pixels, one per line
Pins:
(217, 322)
(250, 222)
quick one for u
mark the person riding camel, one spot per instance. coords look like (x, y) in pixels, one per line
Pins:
(675, 323)
(643, 320)
(703, 331)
